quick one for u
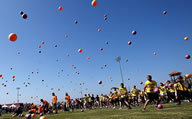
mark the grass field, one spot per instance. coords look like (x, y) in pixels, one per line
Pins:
(170, 111)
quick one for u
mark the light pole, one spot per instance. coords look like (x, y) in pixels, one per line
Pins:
(118, 59)
(81, 84)
(18, 94)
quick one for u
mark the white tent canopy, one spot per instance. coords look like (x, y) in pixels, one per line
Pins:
(13, 106)
(4, 106)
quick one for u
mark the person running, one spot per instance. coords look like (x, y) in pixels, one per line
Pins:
(124, 96)
(171, 91)
(54, 102)
(101, 101)
(142, 96)
(81, 103)
(93, 101)
(186, 93)
(110, 100)
(163, 93)
(149, 88)
(115, 98)
(45, 106)
(135, 93)
(86, 101)
(89, 102)
(179, 87)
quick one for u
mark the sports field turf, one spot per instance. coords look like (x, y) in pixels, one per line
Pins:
(170, 111)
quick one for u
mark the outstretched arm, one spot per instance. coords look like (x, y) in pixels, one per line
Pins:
(114, 88)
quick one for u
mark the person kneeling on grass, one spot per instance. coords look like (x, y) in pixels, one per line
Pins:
(45, 106)
(40, 109)
(33, 109)
(149, 88)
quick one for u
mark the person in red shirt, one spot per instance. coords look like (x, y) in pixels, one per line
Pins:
(33, 109)
(45, 106)
(40, 109)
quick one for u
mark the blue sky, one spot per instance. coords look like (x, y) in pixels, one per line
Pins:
(156, 32)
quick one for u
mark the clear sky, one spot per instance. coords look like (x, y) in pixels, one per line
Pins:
(156, 32)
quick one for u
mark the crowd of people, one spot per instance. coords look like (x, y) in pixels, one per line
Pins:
(119, 97)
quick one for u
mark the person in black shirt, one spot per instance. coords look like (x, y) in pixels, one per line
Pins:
(19, 110)
(97, 100)
(93, 101)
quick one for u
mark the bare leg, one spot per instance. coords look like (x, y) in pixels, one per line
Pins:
(146, 103)
(120, 104)
(128, 105)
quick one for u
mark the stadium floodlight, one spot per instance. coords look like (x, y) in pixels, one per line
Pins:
(18, 94)
(118, 59)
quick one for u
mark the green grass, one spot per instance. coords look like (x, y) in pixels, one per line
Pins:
(170, 111)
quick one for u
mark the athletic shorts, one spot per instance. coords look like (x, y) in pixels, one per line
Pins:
(90, 104)
(54, 106)
(86, 104)
(163, 94)
(135, 98)
(116, 100)
(123, 99)
(152, 96)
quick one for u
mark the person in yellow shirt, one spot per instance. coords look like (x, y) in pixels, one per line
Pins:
(124, 95)
(142, 96)
(171, 91)
(86, 101)
(179, 88)
(130, 97)
(186, 92)
(163, 93)
(81, 103)
(115, 98)
(54, 102)
(101, 100)
(90, 102)
(110, 99)
(149, 87)
(135, 93)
